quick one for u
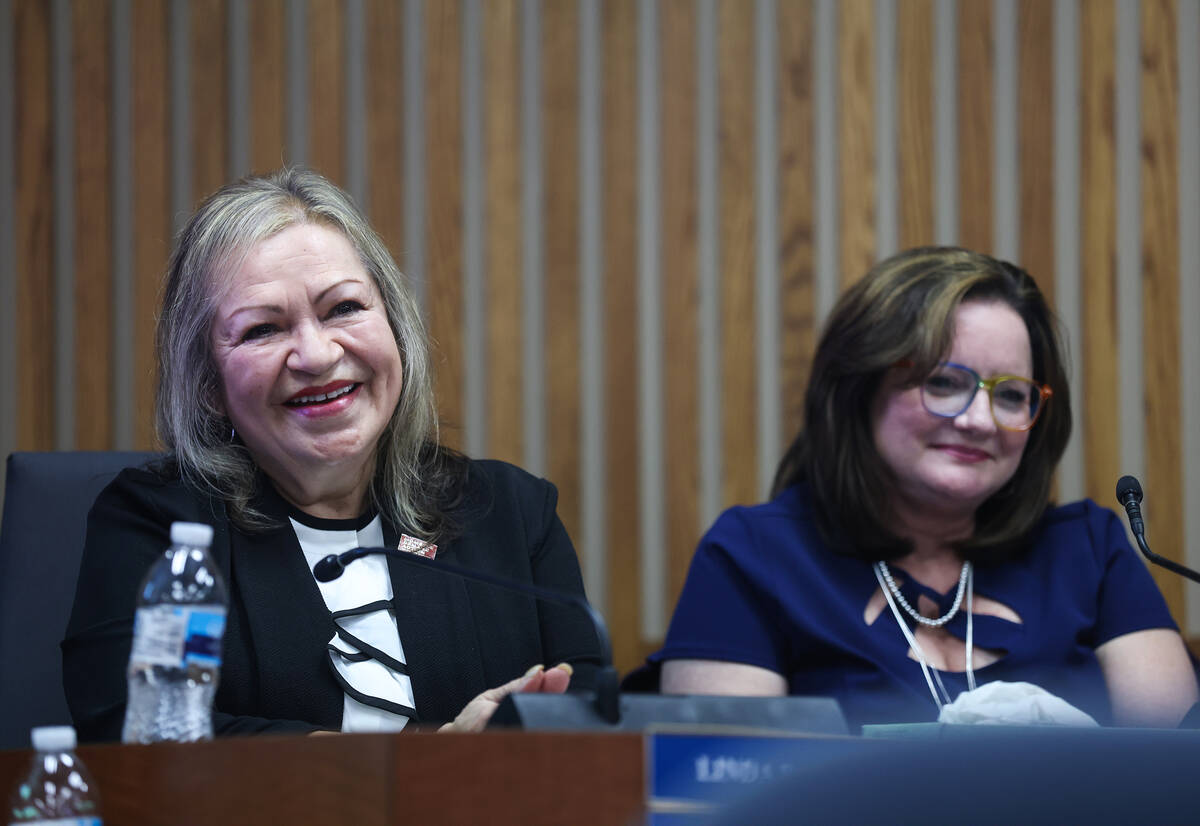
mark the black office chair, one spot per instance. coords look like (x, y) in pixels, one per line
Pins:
(46, 502)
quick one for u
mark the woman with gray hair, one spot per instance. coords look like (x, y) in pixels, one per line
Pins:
(296, 406)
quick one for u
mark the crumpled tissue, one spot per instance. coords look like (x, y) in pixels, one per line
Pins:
(1013, 704)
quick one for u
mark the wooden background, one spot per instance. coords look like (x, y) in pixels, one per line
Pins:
(625, 219)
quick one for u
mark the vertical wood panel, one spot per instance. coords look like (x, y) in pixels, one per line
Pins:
(210, 97)
(443, 199)
(151, 200)
(735, 49)
(1098, 188)
(34, 179)
(503, 193)
(326, 82)
(560, 146)
(677, 19)
(1160, 297)
(975, 125)
(619, 70)
(385, 124)
(1035, 101)
(90, 40)
(856, 130)
(680, 287)
(796, 203)
(267, 91)
(915, 90)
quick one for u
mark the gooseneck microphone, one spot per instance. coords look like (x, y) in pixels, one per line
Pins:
(1129, 494)
(607, 700)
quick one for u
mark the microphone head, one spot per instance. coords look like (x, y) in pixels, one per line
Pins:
(328, 569)
(1128, 489)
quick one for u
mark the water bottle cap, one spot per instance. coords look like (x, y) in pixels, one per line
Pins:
(192, 534)
(53, 738)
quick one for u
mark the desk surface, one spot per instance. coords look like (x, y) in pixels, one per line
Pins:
(494, 777)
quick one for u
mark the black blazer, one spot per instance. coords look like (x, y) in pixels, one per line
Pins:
(459, 638)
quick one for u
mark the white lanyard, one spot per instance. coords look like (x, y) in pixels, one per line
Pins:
(912, 641)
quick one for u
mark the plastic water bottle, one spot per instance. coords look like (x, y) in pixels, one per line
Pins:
(58, 789)
(176, 658)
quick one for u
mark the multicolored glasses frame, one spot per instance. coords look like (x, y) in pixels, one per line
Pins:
(950, 389)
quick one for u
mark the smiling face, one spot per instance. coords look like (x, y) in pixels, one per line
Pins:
(952, 465)
(310, 370)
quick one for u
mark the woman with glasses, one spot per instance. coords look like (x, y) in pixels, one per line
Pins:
(910, 552)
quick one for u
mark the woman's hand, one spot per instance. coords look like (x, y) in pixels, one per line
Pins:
(537, 679)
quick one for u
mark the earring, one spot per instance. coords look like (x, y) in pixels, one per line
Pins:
(232, 433)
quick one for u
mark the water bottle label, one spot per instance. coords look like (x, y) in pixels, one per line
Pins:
(205, 628)
(178, 635)
(62, 821)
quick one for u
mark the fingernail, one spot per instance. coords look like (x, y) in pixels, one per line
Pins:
(534, 670)
(566, 667)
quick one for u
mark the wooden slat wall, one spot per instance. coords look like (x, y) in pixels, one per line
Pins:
(326, 139)
(1160, 285)
(976, 136)
(560, 165)
(915, 79)
(90, 28)
(796, 178)
(1098, 195)
(620, 381)
(34, 213)
(680, 287)
(151, 205)
(503, 204)
(1035, 90)
(856, 126)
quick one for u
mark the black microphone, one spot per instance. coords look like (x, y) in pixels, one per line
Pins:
(607, 701)
(1129, 494)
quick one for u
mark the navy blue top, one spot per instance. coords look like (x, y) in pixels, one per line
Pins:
(764, 590)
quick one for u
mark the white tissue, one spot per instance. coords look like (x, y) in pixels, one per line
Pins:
(1013, 704)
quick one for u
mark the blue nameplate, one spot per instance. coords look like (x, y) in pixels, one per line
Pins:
(690, 772)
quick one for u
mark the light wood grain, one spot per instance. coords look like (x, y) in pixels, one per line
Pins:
(797, 207)
(151, 201)
(680, 290)
(326, 89)
(622, 486)
(739, 389)
(91, 28)
(1098, 244)
(975, 125)
(267, 88)
(1160, 290)
(856, 137)
(505, 298)
(560, 147)
(209, 97)
(1035, 102)
(385, 122)
(34, 179)
(443, 201)
(914, 83)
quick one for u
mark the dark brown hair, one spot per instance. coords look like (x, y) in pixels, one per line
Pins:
(903, 310)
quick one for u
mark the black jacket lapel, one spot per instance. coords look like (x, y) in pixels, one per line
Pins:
(437, 628)
(288, 622)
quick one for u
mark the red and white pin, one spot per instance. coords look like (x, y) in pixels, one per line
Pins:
(412, 545)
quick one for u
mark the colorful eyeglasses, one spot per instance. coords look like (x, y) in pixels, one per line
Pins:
(1016, 402)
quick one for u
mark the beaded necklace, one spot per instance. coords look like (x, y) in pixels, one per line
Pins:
(966, 583)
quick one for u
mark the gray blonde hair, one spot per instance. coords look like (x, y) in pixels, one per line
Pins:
(209, 247)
